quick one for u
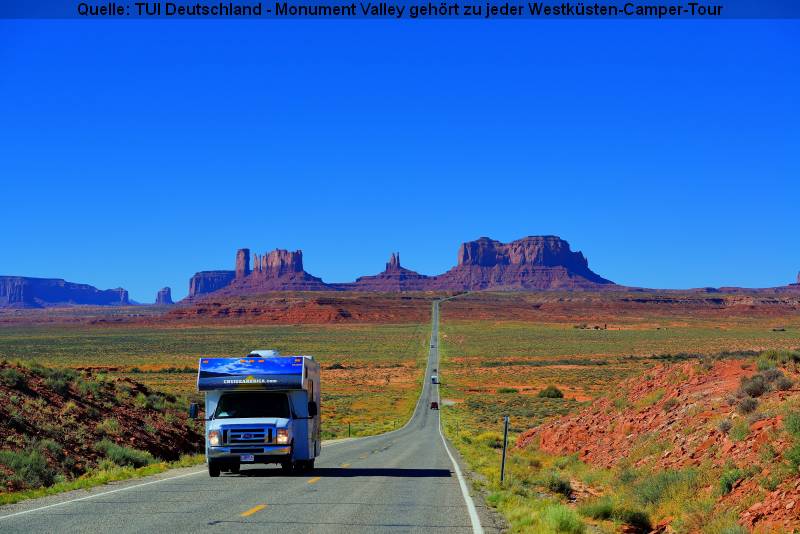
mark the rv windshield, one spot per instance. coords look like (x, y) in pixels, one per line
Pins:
(253, 404)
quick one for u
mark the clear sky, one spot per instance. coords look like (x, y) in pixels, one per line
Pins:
(135, 153)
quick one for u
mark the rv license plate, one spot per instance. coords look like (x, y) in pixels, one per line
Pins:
(247, 458)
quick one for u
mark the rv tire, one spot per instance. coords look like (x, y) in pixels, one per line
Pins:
(213, 469)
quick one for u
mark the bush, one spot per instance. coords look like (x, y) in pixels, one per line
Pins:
(551, 392)
(12, 378)
(507, 390)
(561, 519)
(670, 404)
(739, 431)
(725, 426)
(336, 365)
(653, 489)
(733, 529)
(791, 423)
(121, 455)
(780, 356)
(109, 426)
(784, 383)
(490, 439)
(557, 484)
(792, 455)
(754, 386)
(635, 518)
(602, 508)
(728, 479)
(747, 405)
(29, 468)
(771, 375)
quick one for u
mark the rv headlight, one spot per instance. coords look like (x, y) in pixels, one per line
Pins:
(282, 436)
(213, 438)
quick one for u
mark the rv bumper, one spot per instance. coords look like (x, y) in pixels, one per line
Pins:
(265, 454)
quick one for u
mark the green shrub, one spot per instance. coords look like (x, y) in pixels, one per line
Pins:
(12, 378)
(763, 364)
(739, 431)
(728, 478)
(561, 519)
(551, 392)
(733, 529)
(635, 518)
(670, 404)
(29, 468)
(490, 439)
(747, 405)
(725, 426)
(109, 426)
(558, 484)
(754, 386)
(602, 508)
(507, 390)
(771, 375)
(654, 488)
(780, 356)
(791, 423)
(121, 455)
(784, 383)
(792, 455)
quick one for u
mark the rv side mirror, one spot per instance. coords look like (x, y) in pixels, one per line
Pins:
(312, 409)
(193, 410)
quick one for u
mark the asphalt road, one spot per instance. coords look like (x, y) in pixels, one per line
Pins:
(402, 481)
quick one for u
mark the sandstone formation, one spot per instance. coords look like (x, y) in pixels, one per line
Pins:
(535, 262)
(164, 296)
(393, 279)
(532, 263)
(209, 281)
(22, 291)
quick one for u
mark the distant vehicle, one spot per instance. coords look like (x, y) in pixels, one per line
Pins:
(434, 405)
(434, 379)
(263, 408)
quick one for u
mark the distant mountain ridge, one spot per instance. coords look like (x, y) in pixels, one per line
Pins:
(531, 263)
(28, 292)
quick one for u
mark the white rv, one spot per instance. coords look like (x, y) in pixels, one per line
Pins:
(263, 408)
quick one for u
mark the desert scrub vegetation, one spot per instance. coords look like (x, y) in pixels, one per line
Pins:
(550, 392)
(165, 359)
(45, 412)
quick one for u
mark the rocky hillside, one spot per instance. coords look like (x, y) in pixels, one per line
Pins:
(727, 432)
(58, 424)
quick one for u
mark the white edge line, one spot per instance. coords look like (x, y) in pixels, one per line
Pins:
(473, 513)
(92, 496)
(477, 528)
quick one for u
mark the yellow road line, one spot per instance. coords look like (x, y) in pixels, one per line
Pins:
(254, 509)
(314, 480)
(364, 455)
(345, 465)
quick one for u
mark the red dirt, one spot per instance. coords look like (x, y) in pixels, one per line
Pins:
(684, 421)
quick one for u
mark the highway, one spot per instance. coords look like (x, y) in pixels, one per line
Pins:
(402, 481)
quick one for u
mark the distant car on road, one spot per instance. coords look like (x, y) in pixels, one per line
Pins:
(434, 405)
(434, 379)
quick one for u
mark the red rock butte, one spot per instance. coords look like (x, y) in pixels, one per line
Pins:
(531, 263)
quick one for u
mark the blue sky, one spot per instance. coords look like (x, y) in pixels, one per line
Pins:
(134, 153)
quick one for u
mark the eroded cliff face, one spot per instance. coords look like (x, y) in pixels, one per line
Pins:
(534, 262)
(209, 281)
(22, 291)
(393, 279)
(164, 296)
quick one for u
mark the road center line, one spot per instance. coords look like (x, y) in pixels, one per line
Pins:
(314, 480)
(254, 509)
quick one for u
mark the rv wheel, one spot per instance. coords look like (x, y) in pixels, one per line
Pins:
(213, 469)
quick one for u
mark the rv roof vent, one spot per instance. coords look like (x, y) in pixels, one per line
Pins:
(264, 353)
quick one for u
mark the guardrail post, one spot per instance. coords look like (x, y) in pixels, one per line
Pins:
(349, 434)
(505, 447)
